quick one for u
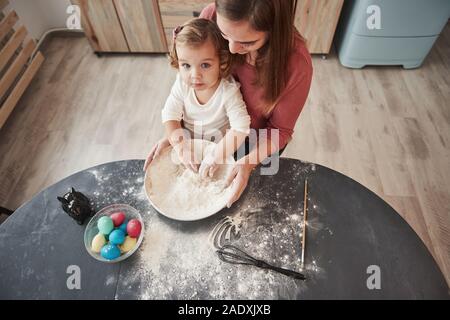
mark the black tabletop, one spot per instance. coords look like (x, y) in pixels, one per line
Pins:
(357, 246)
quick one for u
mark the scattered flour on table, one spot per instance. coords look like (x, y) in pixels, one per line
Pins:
(173, 264)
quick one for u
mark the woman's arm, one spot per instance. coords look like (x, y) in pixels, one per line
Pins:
(239, 175)
(226, 147)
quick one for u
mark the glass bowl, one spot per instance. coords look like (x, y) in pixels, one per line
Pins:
(92, 230)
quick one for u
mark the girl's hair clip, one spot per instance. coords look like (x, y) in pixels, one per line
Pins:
(176, 31)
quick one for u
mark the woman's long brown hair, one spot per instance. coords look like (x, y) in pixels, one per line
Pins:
(277, 18)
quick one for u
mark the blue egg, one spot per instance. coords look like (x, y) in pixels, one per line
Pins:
(110, 252)
(123, 226)
(117, 237)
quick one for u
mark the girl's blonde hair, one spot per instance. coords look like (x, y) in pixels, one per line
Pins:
(195, 33)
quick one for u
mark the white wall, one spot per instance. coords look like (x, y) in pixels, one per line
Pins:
(39, 16)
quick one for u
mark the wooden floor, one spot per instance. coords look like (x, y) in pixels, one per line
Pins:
(387, 128)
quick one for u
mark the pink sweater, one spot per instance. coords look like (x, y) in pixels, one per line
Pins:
(292, 98)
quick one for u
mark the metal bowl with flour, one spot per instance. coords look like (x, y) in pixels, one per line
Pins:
(181, 194)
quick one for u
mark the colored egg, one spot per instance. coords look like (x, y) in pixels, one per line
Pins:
(118, 218)
(123, 227)
(98, 242)
(117, 236)
(110, 252)
(134, 228)
(105, 225)
(128, 244)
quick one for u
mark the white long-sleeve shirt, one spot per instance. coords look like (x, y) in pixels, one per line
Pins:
(225, 109)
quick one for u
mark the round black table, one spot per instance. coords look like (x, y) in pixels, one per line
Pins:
(357, 246)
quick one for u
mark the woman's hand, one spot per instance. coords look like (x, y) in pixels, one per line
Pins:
(156, 150)
(238, 178)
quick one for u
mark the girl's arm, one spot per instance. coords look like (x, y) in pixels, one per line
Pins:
(174, 132)
(180, 140)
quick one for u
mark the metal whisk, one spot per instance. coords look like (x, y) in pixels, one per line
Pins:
(231, 254)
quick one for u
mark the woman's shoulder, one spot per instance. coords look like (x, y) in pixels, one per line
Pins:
(300, 63)
(300, 57)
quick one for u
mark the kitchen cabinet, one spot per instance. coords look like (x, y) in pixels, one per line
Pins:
(316, 20)
(146, 25)
(122, 25)
(175, 13)
(141, 24)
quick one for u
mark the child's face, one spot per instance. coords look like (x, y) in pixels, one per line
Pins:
(199, 66)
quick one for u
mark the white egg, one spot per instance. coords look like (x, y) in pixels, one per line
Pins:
(98, 242)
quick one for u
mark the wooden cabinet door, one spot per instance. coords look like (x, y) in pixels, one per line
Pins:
(141, 24)
(176, 12)
(101, 25)
(316, 20)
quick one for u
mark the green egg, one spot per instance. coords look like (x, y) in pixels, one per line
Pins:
(105, 225)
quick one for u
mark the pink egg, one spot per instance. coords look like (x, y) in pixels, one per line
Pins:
(134, 228)
(118, 218)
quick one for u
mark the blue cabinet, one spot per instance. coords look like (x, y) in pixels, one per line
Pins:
(389, 32)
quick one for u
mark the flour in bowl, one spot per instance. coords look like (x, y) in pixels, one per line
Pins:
(181, 194)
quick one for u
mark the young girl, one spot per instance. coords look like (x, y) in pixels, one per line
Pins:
(205, 100)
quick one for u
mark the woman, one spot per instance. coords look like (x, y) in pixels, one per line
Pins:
(274, 69)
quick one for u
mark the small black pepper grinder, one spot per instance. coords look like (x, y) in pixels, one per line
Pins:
(77, 205)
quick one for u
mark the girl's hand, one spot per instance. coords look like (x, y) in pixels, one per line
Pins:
(186, 154)
(156, 150)
(208, 166)
(238, 178)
